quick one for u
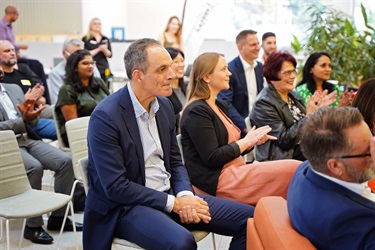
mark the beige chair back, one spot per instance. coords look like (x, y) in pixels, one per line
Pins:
(76, 130)
(83, 165)
(13, 178)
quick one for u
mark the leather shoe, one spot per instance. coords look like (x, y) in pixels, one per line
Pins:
(37, 235)
(55, 223)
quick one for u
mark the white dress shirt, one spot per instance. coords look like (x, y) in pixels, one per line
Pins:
(156, 175)
(251, 81)
(359, 188)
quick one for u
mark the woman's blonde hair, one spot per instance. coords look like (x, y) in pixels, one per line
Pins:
(202, 66)
(88, 35)
(179, 32)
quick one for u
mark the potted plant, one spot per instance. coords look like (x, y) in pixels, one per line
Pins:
(352, 51)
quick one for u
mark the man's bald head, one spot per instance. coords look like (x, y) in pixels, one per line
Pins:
(11, 13)
(10, 9)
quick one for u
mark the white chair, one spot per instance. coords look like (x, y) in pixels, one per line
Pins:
(83, 164)
(76, 130)
(62, 145)
(17, 199)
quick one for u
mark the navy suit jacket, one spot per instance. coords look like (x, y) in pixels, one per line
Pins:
(117, 168)
(328, 214)
(236, 96)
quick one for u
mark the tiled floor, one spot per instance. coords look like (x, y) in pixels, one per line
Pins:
(67, 238)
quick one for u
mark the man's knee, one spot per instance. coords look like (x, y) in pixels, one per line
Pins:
(186, 241)
(34, 173)
(65, 164)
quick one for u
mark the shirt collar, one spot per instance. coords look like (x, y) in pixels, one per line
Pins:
(355, 187)
(2, 88)
(4, 21)
(246, 65)
(139, 110)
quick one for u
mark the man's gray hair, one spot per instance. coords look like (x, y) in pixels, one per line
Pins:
(322, 134)
(136, 55)
(72, 41)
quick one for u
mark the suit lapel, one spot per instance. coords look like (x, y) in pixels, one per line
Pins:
(163, 129)
(3, 113)
(259, 77)
(13, 98)
(241, 76)
(132, 126)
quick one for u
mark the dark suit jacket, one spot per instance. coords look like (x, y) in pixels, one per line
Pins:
(328, 214)
(117, 168)
(236, 96)
(17, 125)
(205, 144)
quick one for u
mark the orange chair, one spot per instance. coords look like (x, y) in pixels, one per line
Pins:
(271, 228)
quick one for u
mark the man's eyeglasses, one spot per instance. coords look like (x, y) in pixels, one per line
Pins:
(354, 156)
(287, 73)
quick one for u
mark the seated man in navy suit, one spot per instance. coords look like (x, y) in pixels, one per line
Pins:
(246, 80)
(139, 190)
(328, 199)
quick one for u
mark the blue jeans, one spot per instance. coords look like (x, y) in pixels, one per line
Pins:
(46, 129)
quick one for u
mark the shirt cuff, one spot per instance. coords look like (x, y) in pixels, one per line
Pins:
(171, 198)
(183, 193)
(170, 203)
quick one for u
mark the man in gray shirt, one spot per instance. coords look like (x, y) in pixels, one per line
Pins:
(57, 75)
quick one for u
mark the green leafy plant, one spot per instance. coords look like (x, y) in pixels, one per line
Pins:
(352, 51)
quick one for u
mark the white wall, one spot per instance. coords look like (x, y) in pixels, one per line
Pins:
(140, 18)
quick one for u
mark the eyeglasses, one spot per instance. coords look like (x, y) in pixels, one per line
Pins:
(86, 63)
(354, 156)
(289, 72)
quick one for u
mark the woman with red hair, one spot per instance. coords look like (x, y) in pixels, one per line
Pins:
(281, 107)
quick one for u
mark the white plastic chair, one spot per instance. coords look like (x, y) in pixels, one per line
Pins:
(17, 199)
(83, 164)
(76, 130)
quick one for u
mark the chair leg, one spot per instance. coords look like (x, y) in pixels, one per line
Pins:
(1, 229)
(7, 232)
(52, 180)
(213, 241)
(74, 225)
(22, 232)
(70, 205)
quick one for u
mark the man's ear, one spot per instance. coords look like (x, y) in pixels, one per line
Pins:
(137, 75)
(335, 168)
